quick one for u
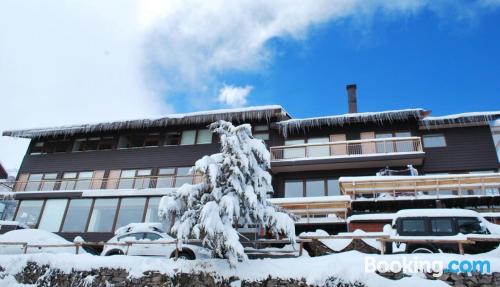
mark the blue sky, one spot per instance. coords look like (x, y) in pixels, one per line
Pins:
(442, 64)
(84, 61)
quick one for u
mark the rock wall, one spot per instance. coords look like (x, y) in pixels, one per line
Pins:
(44, 276)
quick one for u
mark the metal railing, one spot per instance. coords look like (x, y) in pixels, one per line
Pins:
(140, 182)
(347, 148)
(439, 185)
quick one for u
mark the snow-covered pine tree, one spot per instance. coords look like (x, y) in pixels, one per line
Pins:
(232, 193)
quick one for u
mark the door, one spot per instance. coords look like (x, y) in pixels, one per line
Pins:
(338, 149)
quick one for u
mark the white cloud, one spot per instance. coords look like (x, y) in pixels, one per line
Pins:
(234, 96)
(84, 61)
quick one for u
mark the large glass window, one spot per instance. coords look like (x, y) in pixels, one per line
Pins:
(315, 187)
(294, 189)
(333, 187)
(261, 132)
(127, 179)
(188, 137)
(294, 152)
(52, 215)
(204, 137)
(77, 215)
(134, 178)
(152, 210)
(29, 211)
(84, 180)
(76, 180)
(49, 181)
(384, 146)
(318, 151)
(103, 215)
(131, 210)
(434, 140)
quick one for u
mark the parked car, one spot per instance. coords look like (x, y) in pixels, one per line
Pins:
(425, 223)
(150, 232)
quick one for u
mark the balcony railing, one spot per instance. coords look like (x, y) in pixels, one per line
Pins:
(141, 182)
(487, 184)
(347, 148)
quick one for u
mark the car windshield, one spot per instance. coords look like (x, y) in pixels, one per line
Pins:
(470, 226)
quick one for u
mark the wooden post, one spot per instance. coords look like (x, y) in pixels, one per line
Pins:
(25, 248)
(128, 246)
(301, 248)
(77, 248)
(461, 248)
(382, 246)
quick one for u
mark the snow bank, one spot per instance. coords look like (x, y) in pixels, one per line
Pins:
(34, 237)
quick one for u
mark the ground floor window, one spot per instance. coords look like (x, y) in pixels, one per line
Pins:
(152, 210)
(77, 215)
(52, 215)
(131, 210)
(103, 215)
(29, 212)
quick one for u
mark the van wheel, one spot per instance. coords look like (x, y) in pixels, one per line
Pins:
(422, 250)
(185, 255)
(114, 252)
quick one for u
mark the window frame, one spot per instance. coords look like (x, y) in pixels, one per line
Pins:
(434, 135)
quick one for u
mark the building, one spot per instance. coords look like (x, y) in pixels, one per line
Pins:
(90, 179)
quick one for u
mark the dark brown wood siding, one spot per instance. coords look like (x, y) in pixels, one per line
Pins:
(467, 149)
(166, 156)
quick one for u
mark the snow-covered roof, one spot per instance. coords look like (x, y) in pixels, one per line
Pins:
(339, 120)
(481, 118)
(202, 117)
(371, 216)
(436, 212)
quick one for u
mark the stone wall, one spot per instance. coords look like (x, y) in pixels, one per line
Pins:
(44, 276)
(458, 280)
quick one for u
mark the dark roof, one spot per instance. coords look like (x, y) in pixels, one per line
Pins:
(237, 115)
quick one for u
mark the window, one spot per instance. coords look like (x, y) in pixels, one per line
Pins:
(188, 137)
(165, 177)
(173, 138)
(183, 176)
(261, 132)
(52, 215)
(204, 137)
(315, 188)
(131, 237)
(29, 211)
(470, 226)
(318, 151)
(34, 182)
(93, 143)
(77, 215)
(76, 180)
(152, 210)
(37, 148)
(442, 226)
(152, 236)
(103, 214)
(384, 146)
(131, 210)
(434, 140)
(106, 143)
(294, 189)
(135, 178)
(412, 226)
(295, 152)
(333, 187)
(152, 140)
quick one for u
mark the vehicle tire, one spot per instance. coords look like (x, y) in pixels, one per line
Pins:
(185, 255)
(422, 250)
(114, 252)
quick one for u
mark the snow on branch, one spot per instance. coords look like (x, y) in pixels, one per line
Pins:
(233, 192)
(288, 126)
(237, 115)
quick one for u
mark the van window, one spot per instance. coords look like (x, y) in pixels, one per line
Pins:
(469, 226)
(412, 226)
(442, 225)
(131, 237)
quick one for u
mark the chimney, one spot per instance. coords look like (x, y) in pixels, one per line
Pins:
(351, 95)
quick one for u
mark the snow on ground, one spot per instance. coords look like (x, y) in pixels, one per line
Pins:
(348, 266)
(34, 237)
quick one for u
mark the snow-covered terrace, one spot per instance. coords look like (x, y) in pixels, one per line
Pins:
(257, 113)
(462, 185)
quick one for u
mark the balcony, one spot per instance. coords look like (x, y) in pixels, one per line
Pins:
(369, 153)
(421, 187)
(123, 183)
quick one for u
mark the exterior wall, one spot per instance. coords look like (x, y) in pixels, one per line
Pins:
(368, 226)
(467, 149)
